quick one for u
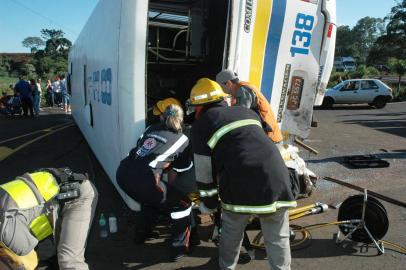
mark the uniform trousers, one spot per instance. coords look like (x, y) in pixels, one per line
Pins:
(73, 228)
(178, 206)
(275, 230)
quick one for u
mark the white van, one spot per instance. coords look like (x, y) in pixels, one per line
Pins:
(344, 64)
(132, 53)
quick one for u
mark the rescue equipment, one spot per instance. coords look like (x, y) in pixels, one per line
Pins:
(365, 161)
(377, 195)
(69, 182)
(355, 213)
(365, 218)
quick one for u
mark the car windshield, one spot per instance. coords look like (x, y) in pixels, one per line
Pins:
(338, 86)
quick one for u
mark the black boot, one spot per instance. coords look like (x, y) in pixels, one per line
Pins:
(194, 239)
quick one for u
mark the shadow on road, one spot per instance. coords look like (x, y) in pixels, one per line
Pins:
(345, 107)
(157, 253)
(378, 114)
(319, 248)
(392, 126)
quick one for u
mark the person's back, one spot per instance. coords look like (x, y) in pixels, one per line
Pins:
(56, 86)
(155, 144)
(264, 110)
(23, 88)
(249, 165)
(248, 96)
(62, 85)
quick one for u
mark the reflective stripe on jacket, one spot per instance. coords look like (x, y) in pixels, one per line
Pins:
(28, 191)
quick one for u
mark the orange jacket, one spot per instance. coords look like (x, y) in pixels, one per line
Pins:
(265, 112)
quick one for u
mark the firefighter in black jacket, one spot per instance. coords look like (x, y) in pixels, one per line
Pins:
(162, 148)
(234, 156)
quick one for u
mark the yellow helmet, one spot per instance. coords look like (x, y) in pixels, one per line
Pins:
(206, 91)
(161, 105)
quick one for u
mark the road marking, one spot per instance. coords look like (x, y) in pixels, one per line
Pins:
(5, 152)
(48, 129)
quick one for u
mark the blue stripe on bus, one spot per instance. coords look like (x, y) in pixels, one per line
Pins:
(272, 47)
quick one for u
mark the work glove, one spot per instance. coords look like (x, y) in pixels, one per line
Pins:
(194, 197)
(205, 210)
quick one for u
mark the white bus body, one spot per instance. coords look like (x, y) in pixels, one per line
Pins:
(132, 53)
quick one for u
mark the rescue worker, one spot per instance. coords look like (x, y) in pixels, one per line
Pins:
(232, 152)
(36, 206)
(161, 149)
(247, 95)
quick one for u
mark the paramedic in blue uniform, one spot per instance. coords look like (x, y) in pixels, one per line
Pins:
(161, 149)
(236, 162)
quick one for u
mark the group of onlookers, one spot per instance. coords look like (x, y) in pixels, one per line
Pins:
(29, 94)
(57, 94)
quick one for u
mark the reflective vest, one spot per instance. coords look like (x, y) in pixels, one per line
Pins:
(265, 112)
(32, 190)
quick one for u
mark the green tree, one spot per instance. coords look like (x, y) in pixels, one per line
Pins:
(55, 43)
(399, 67)
(365, 33)
(53, 58)
(344, 41)
(393, 42)
(358, 41)
(34, 43)
(51, 34)
(5, 66)
(28, 69)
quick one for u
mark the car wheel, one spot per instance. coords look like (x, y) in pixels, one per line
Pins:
(380, 102)
(327, 103)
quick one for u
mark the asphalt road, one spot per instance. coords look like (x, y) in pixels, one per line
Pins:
(342, 131)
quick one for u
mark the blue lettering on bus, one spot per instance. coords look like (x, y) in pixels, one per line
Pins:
(302, 36)
(102, 84)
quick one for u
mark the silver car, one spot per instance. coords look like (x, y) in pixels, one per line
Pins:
(356, 91)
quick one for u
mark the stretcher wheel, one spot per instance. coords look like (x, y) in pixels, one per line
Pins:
(376, 219)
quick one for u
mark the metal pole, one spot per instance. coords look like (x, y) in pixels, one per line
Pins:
(374, 194)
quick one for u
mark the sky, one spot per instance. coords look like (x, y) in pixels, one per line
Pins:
(24, 18)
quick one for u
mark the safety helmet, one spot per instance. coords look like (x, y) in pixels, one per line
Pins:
(161, 105)
(206, 91)
(9, 260)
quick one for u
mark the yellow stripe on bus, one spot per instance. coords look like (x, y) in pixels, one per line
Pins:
(262, 20)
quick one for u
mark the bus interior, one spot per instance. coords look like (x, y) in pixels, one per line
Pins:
(186, 41)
